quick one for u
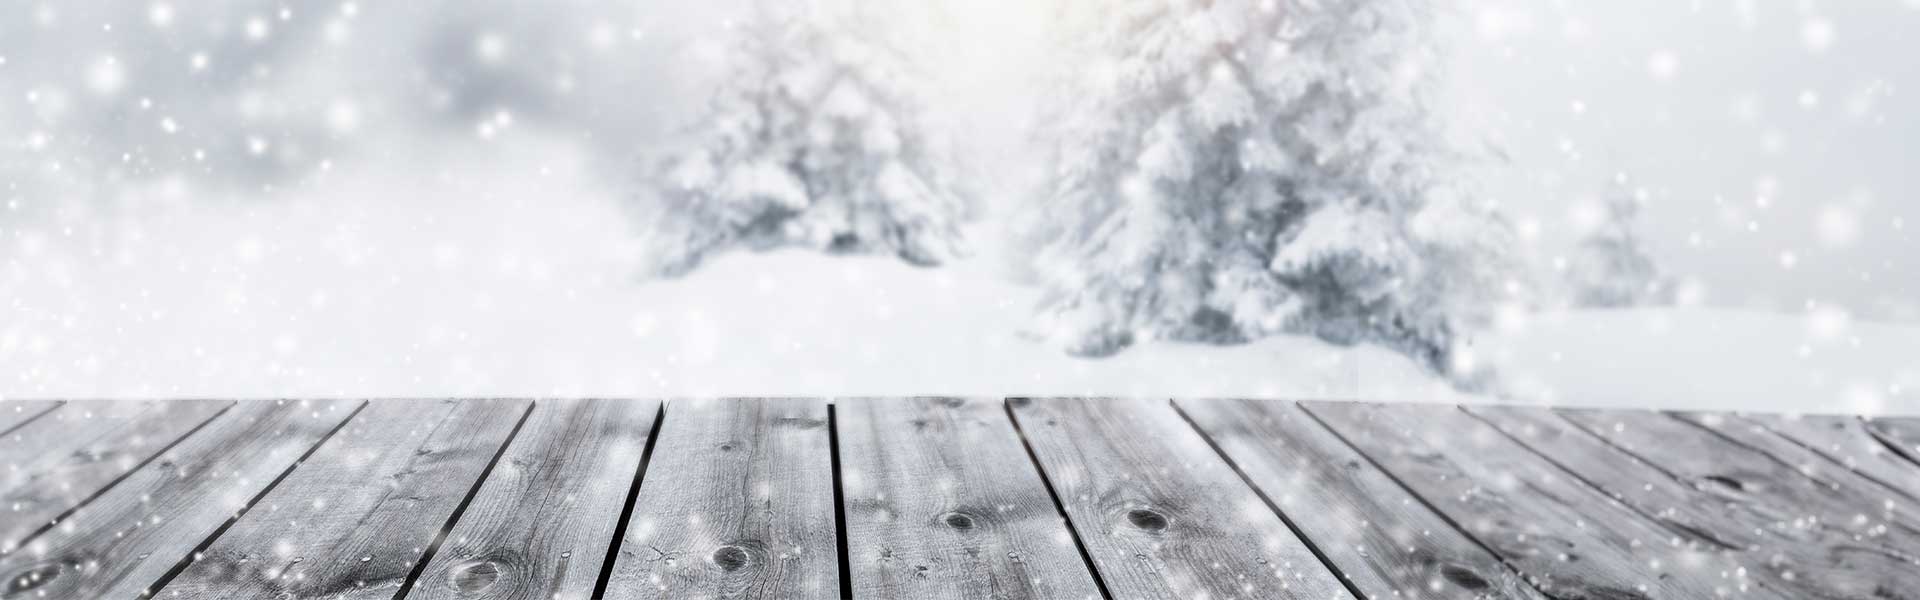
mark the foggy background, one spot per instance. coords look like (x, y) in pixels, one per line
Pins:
(277, 161)
(1773, 137)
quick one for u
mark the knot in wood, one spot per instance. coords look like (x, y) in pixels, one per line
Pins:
(1147, 519)
(1464, 577)
(1723, 482)
(731, 558)
(958, 520)
(475, 576)
(33, 577)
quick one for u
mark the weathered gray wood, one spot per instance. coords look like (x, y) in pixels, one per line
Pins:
(737, 502)
(1687, 483)
(1568, 539)
(29, 448)
(942, 501)
(1383, 540)
(541, 524)
(60, 434)
(1162, 516)
(66, 459)
(1901, 434)
(938, 493)
(1841, 499)
(14, 413)
(354, 520)
(1876, 448)
(124, 541)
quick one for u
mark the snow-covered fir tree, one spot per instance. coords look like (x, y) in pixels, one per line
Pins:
(815, 138)
(1238, 168)
(1611, 268)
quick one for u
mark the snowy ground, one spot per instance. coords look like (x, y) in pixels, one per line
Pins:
(495, 272)
(1713, 359)
(509, 275)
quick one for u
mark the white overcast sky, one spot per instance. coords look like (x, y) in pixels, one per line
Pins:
(1777, 138)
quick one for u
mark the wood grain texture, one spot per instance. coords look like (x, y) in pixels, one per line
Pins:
(14, 413)
(65, 459)
(355, 519)
(1771, 474)
(1842, 491)
(1901, 434)
(1882, 449)
(540, 527)
(1382, 539)
(1568, 539)
(1692, 484)
(62, 432)
(738, 502)
(1162, 516)
(127, 539)
(942, 502)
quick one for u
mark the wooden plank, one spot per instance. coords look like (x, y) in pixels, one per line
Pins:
(356, 518)
(1384, 541)
(1766, 474)
(1879, 448)
(942, 501)
(1568, 539)
(736, 503)
(1901, 434)
(14, 413)
(1691, 483)
(131, 537)
(64, 462)
(541, 525)
(61, 433)
(1161, 515)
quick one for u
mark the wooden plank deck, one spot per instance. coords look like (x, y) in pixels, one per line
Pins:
(947, 498)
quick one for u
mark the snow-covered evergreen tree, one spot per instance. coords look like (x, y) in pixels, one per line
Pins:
(815, 138)
(1611, 268)
(1238, 168)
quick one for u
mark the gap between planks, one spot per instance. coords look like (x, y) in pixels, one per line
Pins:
(626, 511)
(1054, 493)
(1312, 545)
(194, 555)
(641, 473)
(426, 558)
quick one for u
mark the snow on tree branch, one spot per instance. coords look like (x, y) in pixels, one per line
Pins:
(815, 139)
(1231, 169)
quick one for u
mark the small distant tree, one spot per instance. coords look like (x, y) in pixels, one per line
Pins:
(815, 138)
(1238, 168)
(1611, 267)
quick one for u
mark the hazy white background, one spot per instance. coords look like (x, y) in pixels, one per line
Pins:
(261, 199)
(1776, 138)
